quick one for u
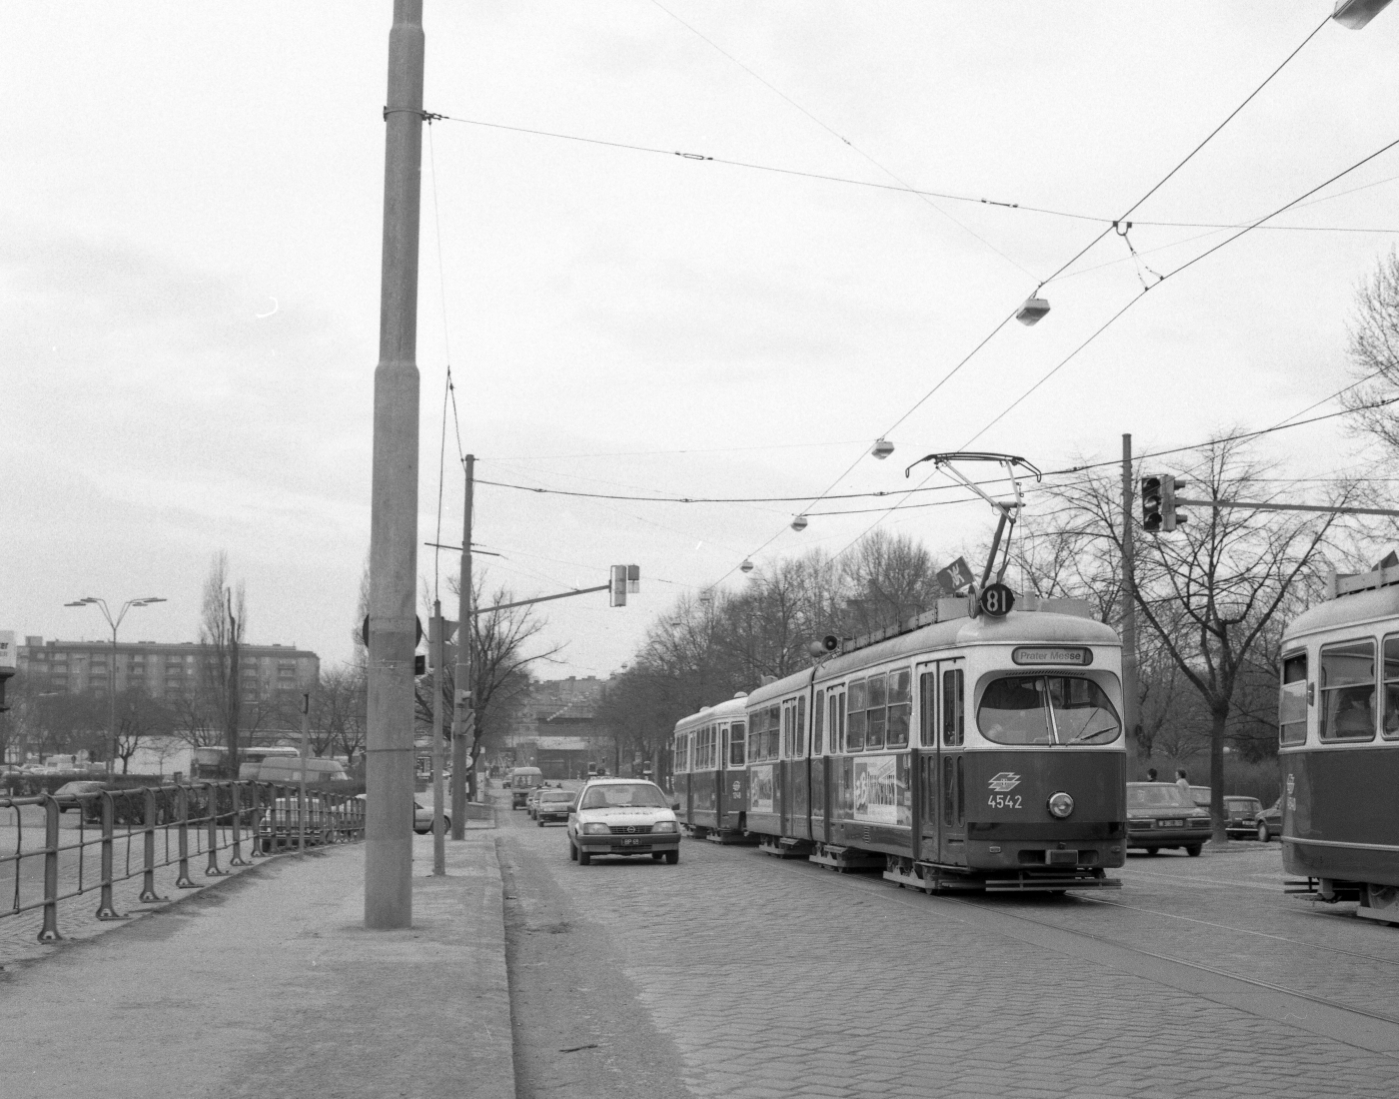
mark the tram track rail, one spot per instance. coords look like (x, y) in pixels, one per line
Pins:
(1351, 1025)
(1372, 958)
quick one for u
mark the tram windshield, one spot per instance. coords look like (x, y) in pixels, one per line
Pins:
(1046, 709)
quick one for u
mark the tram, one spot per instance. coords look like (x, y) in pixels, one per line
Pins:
(711, 779)
(1338, 730)
(963, 751)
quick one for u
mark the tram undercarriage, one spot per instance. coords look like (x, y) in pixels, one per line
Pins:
(935, 878)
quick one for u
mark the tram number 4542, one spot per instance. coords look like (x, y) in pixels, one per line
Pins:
(1004, 801)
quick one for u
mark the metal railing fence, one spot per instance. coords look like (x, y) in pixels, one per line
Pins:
(134, 832)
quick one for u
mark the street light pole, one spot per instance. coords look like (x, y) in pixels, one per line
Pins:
(101, 604)
(393, 519)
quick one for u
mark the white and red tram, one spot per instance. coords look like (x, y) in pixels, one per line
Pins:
(971, 752)
(1339, 745)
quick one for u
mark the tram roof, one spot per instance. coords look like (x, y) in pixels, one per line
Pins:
(724, 711)
(1347, 610)
(1018, 627)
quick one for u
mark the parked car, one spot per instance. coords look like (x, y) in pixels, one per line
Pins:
(422, 818)
(553, 805)
(532, 799)
(1161, 814)
(1272, 817)
(72, 795)
(1243, 818)
(623, 816)
(1200, 795)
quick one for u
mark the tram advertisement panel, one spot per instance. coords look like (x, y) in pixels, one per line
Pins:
(881, 790)
(760, 797)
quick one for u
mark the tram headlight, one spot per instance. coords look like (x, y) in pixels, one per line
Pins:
(1060, 805)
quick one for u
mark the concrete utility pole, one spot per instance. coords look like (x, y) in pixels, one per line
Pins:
(393, 559)
(438, 642)
(463, 700)
(1129, 607)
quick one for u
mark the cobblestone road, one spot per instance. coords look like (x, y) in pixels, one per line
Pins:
(778, 979)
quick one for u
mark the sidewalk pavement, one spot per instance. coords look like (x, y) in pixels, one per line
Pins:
(267, 984)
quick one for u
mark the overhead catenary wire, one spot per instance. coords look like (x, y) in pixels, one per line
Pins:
(1105, 220)
(1151, 191)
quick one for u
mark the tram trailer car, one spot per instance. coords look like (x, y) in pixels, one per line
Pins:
(969, 753)
(1338, 728)
(711, 776)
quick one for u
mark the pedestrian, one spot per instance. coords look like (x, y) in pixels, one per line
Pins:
(1182, 781)
(1151, 774)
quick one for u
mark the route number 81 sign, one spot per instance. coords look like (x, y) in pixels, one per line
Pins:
(996, 600)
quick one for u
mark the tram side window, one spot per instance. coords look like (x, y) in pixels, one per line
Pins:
(837, 721)
(855, 695)
(1390, 726)
(1292, 702)
(927, 709)
(877, 697)
(1348, 691)
(818, 719)
(953, 708)
(801, 727)
(773, 731)
(736, 745)
(900, 705)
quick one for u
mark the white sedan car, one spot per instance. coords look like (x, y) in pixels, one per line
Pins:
(623, 816)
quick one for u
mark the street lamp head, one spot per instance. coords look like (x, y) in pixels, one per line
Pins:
(1356, 13)
(77, 603)
(147, 600)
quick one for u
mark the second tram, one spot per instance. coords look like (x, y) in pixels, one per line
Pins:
(1339, 745)
(962, 753)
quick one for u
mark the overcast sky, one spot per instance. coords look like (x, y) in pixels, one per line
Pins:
(190, 220)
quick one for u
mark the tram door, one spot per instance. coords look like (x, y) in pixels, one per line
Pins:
(939, 807)
(952, 717)
(824, 795)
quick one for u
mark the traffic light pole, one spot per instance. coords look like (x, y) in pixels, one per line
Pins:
(1129, 604)
(463, 698)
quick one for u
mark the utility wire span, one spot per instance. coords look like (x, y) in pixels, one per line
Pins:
(901, 188)
(839, 137)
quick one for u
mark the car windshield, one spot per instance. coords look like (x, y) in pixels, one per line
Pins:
(1046, 709)
(1246, 804)
(635, 794)
(1157, 797)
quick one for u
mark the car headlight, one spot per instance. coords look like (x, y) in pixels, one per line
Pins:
(595, 829)
(1060, 805)
(665, 826)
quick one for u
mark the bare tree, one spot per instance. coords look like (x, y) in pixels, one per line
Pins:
(503, 649)
(890, 578)
(140, 718)
(222, 626)
(1211, 592)
(1374, 353)
(339, 713)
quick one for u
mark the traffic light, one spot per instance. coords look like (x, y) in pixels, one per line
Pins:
(1169, 519)
(625, 578)
(1151, 505)
(419, 664)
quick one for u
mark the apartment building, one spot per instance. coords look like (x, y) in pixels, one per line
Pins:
(167, 670)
